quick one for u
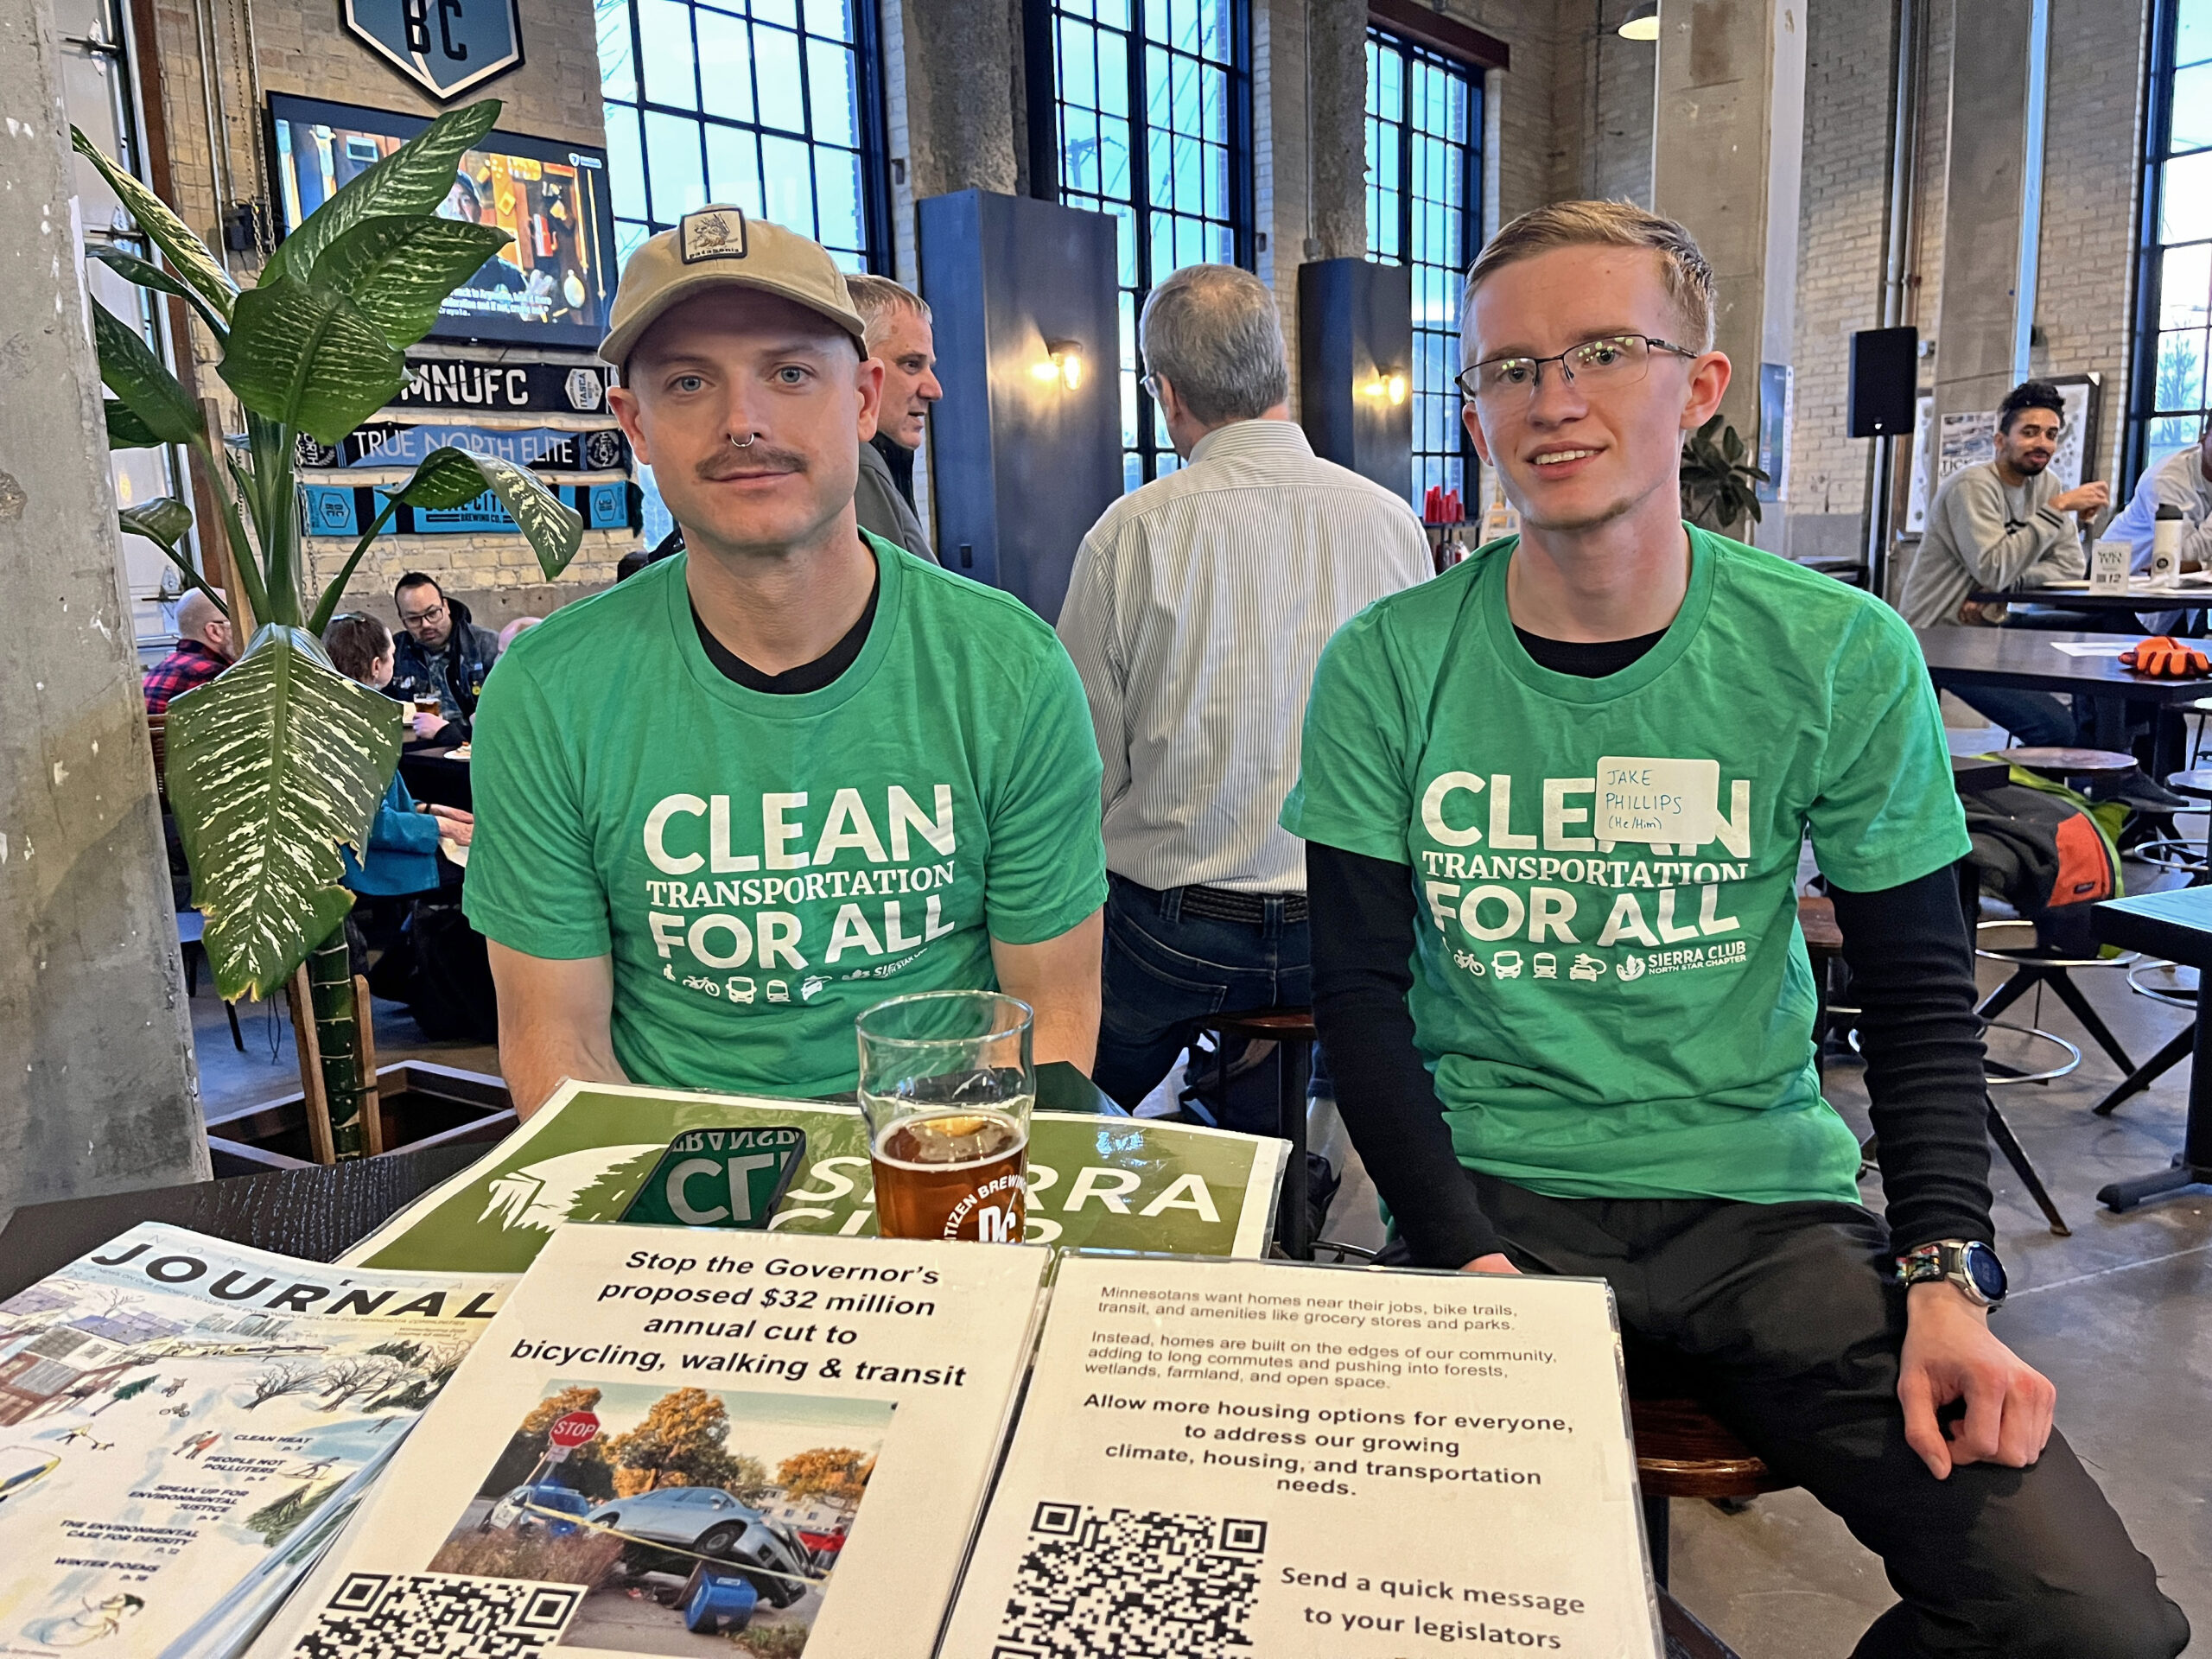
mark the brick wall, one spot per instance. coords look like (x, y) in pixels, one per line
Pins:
(243, 53)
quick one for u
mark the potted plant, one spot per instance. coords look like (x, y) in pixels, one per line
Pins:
(1719, 479)
(281, 758)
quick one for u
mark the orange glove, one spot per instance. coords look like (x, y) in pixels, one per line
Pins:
(2161, 656)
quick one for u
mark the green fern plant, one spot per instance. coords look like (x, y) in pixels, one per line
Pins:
(280, 760)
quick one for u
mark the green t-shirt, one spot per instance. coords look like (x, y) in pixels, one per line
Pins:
(764, 866)
(1631, 1016)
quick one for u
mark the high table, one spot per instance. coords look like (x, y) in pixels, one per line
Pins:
(2028, 660)
(2139, 598)
(2176, 926)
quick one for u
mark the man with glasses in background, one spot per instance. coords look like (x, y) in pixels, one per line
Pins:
(441, 654)
(1554, 803)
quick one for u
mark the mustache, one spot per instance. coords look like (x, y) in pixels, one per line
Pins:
(757, 457)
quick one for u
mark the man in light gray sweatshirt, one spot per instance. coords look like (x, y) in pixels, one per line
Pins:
(2001, 526)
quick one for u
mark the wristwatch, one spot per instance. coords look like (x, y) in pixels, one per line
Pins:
(1968, 1263)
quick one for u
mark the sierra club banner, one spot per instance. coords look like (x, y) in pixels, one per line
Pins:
(1103, 1183)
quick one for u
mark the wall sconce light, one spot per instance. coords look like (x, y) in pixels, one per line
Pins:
(1642, 22)
(1390, 387)
(1063, 362)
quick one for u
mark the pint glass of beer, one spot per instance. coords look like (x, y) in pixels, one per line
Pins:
(947, 1085)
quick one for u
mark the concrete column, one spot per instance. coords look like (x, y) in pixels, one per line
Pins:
(961, 63)
(1336, 64)
(1727, 154)
(97, 1089)
(1993, 192)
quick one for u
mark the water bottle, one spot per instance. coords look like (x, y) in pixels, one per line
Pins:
(2165, 546)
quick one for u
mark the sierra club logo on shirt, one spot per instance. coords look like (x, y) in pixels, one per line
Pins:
(756, 925)
(1503, 886)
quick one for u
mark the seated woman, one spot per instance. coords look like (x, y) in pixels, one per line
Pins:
(403, 850)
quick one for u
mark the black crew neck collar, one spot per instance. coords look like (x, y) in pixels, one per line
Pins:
(816, 675)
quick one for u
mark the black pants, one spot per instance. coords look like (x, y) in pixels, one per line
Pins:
(1781, 1318)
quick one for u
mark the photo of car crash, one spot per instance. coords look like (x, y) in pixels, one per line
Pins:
(700, 1521)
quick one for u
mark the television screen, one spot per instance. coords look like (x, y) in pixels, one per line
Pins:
(553, 285)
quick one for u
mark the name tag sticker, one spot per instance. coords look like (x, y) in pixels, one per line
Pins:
(1674, 803)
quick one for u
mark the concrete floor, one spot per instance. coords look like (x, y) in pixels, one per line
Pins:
(2112, 1314)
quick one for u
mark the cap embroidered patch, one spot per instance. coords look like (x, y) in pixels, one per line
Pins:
(714, 234)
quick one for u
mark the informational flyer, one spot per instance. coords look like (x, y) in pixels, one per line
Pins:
(1121, 1183)
(1281, 1459)
(177, 1414)
(675, 1442)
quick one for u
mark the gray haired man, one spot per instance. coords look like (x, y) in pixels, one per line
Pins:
(1196, 610)
(898, 337)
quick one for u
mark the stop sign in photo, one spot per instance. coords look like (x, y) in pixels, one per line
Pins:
(575, 1429)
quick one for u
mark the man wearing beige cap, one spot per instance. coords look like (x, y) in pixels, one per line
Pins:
(726, 805)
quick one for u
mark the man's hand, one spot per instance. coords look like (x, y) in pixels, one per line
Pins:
(2086, 497)
(427, 726)
(1496, 1261)
(1949, 1355)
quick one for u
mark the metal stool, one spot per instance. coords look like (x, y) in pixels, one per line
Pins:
(2035, 966)
(2175, 853)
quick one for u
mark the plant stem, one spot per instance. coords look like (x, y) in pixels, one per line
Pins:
(223, 481)
(336, 591)
(337, 1035)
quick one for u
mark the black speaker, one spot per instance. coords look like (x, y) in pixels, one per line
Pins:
(1884, 381)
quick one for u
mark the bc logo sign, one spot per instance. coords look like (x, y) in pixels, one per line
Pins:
(445, 47)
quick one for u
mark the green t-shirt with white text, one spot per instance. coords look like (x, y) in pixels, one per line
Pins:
(763, 867)
(1610, 985)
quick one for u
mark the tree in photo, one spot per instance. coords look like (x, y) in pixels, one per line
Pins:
(680, 1443)
(837, 1474)
(412, 1389)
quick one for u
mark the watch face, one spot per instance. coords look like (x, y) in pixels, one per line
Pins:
(1986, 1270)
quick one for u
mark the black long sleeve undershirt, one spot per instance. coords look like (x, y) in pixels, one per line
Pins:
(1912, 974)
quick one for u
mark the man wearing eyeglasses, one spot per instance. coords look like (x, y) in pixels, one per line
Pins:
(441, 654)
(1554, 804)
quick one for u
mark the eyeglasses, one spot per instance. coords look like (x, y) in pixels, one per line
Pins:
(436, 614)
(1597, 365)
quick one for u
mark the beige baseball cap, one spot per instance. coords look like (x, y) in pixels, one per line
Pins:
(717, 245)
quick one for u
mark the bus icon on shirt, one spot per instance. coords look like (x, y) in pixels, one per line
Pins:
(779, 991)
(1506, 964)
(1545, 965)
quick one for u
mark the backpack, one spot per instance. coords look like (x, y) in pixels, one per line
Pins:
(2039, 847)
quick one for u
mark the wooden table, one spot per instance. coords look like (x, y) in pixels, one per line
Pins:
(2176, 926)
(2028, 659)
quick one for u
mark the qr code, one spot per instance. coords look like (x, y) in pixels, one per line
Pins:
(437, 1616)
(1132, 1583)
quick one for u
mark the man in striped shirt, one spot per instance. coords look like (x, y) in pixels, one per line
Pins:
(1196, 610)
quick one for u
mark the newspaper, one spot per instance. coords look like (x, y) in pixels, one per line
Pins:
(1116, 1183)
(180, 1415)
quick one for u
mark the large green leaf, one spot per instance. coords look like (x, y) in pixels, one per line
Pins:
(413, 179)
(137, 376)
(397, 270)
(553, 529)
(306, 358)
(185, 251)
(163, 520)
(125, 430)
(132, 269)
(271, 766)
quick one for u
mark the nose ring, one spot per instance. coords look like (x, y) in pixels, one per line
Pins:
(751, 439)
